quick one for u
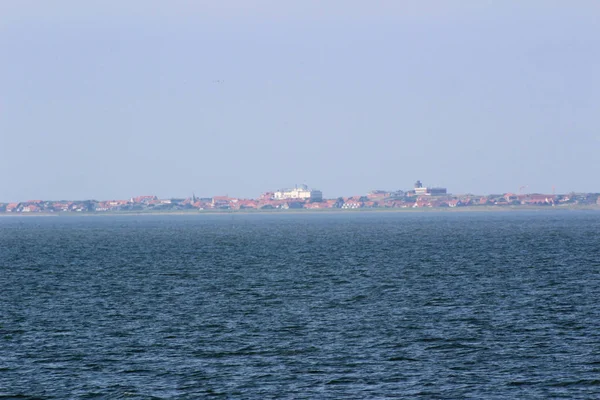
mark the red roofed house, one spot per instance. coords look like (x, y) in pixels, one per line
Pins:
(421, 203)
(12, 207)
(352, 204)
(102, 206)
(539, 199)
(267, 196)
(221, 202)
(329, 203)
(454, 203)
(142, 199)
(201, 205)
(378, 195)
(510, 197)
(244, 204)
(60, 206)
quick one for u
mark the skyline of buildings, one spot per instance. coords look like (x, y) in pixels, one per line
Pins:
(303, 191)
(303, 197)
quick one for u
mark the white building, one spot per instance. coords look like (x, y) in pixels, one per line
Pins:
(299, 193)
(420, 190)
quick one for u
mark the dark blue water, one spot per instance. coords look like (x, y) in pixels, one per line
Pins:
(427, 305)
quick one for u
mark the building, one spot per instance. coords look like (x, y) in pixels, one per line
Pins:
(420, 190)
(299, 193)
(223, 202)
(12, 207)
(379, 195)
(142, 199)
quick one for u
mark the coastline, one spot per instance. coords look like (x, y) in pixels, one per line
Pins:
(493, 209)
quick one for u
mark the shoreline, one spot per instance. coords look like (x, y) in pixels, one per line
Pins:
(494, 209)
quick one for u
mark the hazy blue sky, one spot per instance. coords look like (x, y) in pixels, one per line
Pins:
(109, 99)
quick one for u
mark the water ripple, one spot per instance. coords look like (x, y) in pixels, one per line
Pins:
(432, 305)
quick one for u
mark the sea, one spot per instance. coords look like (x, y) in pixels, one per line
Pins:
(346, 305)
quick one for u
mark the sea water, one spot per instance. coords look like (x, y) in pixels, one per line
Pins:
(489, 305)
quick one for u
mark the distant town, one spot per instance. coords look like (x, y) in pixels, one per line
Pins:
(302, 197)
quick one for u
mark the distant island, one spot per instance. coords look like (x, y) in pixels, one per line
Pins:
(303, 198)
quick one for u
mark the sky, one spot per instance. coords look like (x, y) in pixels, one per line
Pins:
(113, 99)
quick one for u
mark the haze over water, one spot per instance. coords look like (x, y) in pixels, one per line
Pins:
(347, 305)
